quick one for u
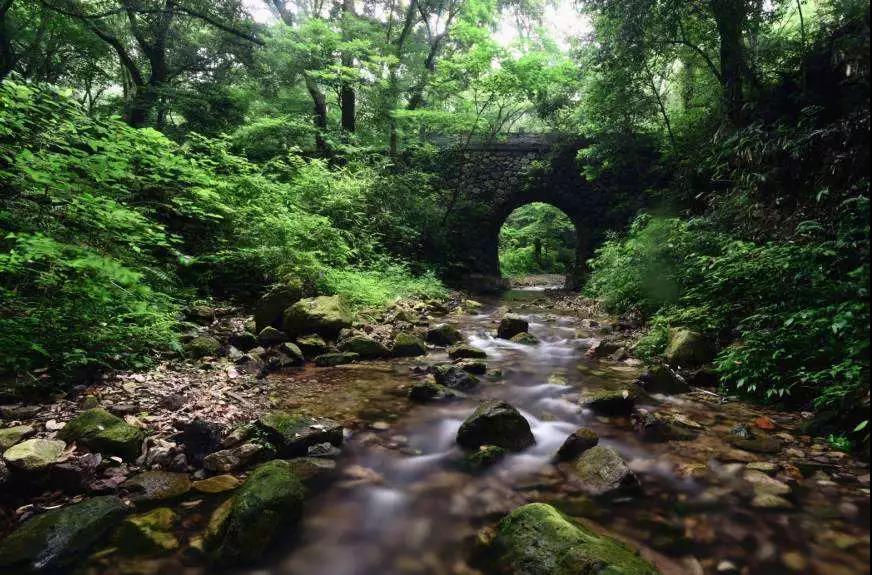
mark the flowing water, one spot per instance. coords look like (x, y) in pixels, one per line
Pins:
(403, 504)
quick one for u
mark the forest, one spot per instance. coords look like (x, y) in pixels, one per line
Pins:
(447, 287)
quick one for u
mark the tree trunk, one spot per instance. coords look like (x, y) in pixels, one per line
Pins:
(8, 58)
(319, 113)
(730, 18)
(346, 91)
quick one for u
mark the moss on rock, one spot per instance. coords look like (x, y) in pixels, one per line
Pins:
(323, 315)
(100, 431)
(536, 539)
(59, 537)
(270, 500)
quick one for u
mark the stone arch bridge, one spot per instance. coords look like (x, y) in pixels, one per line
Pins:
(489, 180)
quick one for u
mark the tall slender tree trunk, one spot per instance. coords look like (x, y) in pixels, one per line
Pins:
(319, 113)
(730, 17)
(347, 97)
(8, 58)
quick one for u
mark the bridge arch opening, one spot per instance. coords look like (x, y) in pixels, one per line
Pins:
(538, 243)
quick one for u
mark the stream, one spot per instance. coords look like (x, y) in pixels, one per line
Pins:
(404, 505)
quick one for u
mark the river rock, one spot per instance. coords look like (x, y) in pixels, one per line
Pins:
(444, 335)
(580, 441)
(486, 456)
(200, 438)
(426, 391)
(536, 539)
(364, 346)
(602, 471)
(408, 345)
(688, 348)
(100, 431)
(653, 428)
(271, 307)
(289, 355)
(334, 359)
(312, 345)
(244, 341)
(511, 325)
(766, 445)
(147, 533)
(764, 484)
(270, 336)
(34, 454)
(323, 315)
(770, 501)
(612, 401)
(55, 539)
(525, 339)
(232, 459)
(269, 500)
(202, 346)
(454, 377)
(495, 423)
(660, 379)
(292, 434)
(474, 366)
(157, 485)
(216, 484)
(466, 351)
(9, 436)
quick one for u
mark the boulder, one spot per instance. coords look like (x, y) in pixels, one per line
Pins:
(202, 346)
(55, 539)
(466, 351)
(100, 431)
(474, 366)
(444, 334)
(688, 348)
(334, 359)
(408, 345)
(495, 423)
(536, 539)
(425, 391)
(580, 441)
(364, 346)
(148, 533)
(34, 454)
(525, 338)
(157, 485)
(511, 325)
(292, 434)
(660, 379)
(244, 340)
(323, 315)
(270, 309)
(454, 377)
(270, 499)
(270, 336)
(232, 459)
(612, 401)
(289, 355)
(653, 428)
(602, 471)
(216, 484)
(312, 345)
(200, 438)
(9, 436)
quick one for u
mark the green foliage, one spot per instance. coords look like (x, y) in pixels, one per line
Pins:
(795, 319)
(537, 238)
(107, 231)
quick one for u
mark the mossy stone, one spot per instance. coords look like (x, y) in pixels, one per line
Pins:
(269, 500)
(525, 339)
(536, 539)
(57, 538)
(148, 533)
(293, 434)
(323, 315)
(202, 346)
(34, 454)
(602, 471)
(100, 431)
(511, 325)
(495, 423)
(408, 345)
(444, 334)
(688, 348)
(364, 346)
(466, 351)
(334, 359)
(9, 436)
(272, 305)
